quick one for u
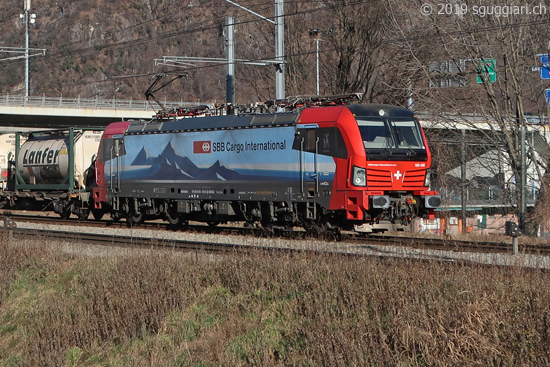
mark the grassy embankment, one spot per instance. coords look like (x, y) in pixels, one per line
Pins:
(164, 309)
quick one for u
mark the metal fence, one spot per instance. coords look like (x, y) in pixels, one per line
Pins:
(92, 103)
(492, 196)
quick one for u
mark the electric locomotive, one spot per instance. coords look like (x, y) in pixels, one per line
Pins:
(349, 167)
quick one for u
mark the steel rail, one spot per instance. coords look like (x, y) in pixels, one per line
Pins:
(417, 242)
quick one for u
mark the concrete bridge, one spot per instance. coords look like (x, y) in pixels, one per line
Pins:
(54, 112)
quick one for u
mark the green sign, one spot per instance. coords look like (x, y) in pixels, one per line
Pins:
(487, 70)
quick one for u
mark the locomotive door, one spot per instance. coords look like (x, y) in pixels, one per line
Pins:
(117, 154)
(309, 149)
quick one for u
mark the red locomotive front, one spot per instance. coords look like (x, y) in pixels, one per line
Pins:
(385, 173)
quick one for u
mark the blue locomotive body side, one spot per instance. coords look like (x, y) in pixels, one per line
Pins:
(219, 155)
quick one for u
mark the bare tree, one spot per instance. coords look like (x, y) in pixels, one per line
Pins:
(360, 54)
(466, 36)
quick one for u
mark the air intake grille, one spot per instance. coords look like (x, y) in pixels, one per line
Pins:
(384, 178)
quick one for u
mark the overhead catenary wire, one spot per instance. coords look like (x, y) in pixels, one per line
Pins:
(214, 24)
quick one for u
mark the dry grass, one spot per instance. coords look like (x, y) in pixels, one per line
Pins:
(163, 309)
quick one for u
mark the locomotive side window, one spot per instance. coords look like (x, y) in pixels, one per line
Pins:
(330, 141)
(111, 148)
(105, 152)
(119, 149)
(310, 145)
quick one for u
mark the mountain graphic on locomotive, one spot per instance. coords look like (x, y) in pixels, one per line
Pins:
(349, 167)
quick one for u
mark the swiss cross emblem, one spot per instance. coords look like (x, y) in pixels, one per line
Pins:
(398, 175)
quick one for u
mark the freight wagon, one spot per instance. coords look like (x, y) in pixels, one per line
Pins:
(50, 170)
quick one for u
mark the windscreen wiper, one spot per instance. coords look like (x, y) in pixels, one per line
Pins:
(403, 141)
(386, 149)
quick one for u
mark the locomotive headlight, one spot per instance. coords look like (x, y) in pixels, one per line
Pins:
(359, 176)
(427, 181)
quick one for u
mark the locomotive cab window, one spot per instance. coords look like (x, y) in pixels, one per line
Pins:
(376, 134)
(408, 135)
(392, 139)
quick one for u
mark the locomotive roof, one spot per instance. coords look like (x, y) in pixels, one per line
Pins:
(213, 123)
(255, 120)
(373, 110)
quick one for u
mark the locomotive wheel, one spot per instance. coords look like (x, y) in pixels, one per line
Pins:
(173, 218)
(312, 228)
(136, 218)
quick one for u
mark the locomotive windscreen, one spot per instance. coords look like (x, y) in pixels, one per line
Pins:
(392, 139)
(408, 134)
(376, 134)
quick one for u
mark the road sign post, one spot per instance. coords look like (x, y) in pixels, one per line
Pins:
(544, 67)
(487, 70)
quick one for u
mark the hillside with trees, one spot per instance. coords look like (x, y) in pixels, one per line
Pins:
(107, 49)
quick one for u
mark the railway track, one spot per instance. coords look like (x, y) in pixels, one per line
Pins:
(152, 225)
(119, 240)
(443, 243)
(81, 240)
(454, 244)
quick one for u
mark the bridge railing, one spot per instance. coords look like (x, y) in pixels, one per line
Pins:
(92, 103)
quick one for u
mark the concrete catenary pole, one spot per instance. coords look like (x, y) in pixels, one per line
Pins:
(280, 49)
(27, 6)
(230, 51)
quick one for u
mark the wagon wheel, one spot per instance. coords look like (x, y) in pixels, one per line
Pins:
(83, 214)
(97, 214)
(66, 214)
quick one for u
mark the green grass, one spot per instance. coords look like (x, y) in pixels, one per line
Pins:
(166, 309)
